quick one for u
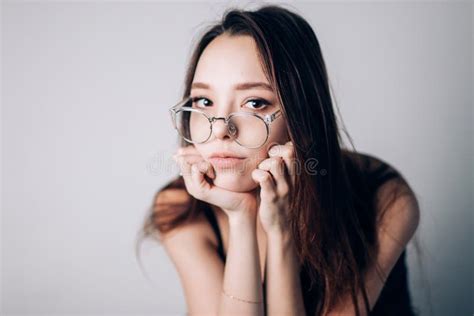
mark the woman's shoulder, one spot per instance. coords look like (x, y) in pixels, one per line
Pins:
(173, 201)
(374, 168)
(382, 180)
(368, 163)
(385, 183)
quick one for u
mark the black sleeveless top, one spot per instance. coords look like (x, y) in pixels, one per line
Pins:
(395, 298)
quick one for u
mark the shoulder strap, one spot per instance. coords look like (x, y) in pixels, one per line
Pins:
(215, 227)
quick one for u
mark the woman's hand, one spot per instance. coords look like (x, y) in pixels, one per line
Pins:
(198, 175)
(276, 176)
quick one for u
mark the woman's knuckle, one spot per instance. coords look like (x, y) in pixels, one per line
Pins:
(275, 162)
(266, 177)
(289, 151)
(284, 189)
(270, 197)
(279, 165)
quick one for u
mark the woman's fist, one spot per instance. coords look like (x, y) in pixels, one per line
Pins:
(276, 176)
(198, 175)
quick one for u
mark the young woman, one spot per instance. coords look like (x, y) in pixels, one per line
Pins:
(270, 215)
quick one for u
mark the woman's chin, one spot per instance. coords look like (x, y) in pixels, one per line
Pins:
(234, 182)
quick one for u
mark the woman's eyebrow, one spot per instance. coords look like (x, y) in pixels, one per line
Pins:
(239, 86)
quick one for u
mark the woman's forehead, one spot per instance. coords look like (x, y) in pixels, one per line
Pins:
(230, 61)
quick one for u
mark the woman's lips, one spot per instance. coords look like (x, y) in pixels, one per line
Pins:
(227, 162)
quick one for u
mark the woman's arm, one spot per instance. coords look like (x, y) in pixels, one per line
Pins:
(238, 289)
(242, 269)
(283, 286)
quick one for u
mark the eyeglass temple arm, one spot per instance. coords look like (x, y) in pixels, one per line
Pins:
(178, 105)
(271, 117)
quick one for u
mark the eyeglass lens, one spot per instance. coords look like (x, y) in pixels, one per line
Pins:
(247, 129)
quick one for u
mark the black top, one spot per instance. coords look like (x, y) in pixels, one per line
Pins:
(395, 296)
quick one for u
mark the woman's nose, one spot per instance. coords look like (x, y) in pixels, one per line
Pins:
(220, 130)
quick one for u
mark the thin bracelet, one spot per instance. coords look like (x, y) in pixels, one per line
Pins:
(239, 299)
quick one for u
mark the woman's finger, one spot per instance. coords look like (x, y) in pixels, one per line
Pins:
(207, 191)
(206, 168)
(194, 159)
(276, 166)
(268, 188)
(188, 150)
(187, 173)
(190, 158)
(199, 181)
(185, 168)
(193, 175)
(287, 152)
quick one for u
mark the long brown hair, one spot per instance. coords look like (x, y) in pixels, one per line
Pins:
(333, 213)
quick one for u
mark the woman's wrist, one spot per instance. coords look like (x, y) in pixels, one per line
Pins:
(279, 230)
(243, 217)
(280, 238)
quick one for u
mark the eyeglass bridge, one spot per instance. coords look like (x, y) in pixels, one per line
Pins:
(230, 127)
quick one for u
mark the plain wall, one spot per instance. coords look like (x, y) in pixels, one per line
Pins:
(87, 140)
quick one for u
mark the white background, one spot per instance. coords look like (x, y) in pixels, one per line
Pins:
(86, 140)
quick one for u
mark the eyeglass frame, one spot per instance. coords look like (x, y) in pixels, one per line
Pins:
(267, 119)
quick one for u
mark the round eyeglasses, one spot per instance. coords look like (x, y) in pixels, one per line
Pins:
(248, 129)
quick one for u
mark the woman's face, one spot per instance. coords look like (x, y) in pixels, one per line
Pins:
(226, 63)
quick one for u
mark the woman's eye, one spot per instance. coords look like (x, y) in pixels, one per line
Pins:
(258, 104)
(254, 104)
(203, 104)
